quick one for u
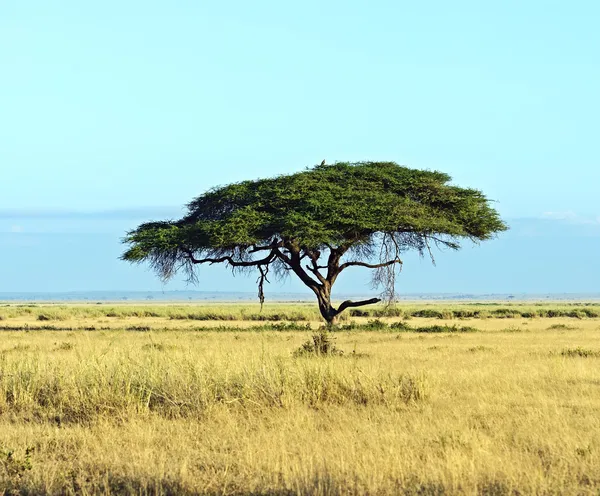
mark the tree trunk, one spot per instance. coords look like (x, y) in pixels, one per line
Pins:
(330, 313)
(323, 289)
(327, 311)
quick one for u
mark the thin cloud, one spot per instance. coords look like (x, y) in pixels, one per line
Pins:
(572, 217)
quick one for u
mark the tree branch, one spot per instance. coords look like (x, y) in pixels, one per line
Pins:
(350, 304)
(273, 245)
(315, 270)
(314, 256)
(293, 260)
(370, 266)
(261, 284)
(250, 263)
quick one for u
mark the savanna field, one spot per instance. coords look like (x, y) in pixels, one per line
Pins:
(421, 398)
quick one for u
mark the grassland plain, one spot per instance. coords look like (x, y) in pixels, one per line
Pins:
(426, 399)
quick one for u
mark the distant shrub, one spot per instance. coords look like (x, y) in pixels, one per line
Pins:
(374, 325)
(389, 311)
(378, 325)
(480, 348)
(506, 313)
(64, 346)
(428, 313)
(359, 313)
(400, 326)
(579, 352)
(157, 346)
(577, 314)
(572, 310)
(562, 327)
(20, 347)
(444, 328)
(283, 326)
(52, 316)
(139, 328)
(27, 327)
(464, 314)
(513, 329)
(552, 313)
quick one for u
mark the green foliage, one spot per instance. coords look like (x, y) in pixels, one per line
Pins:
(345, 204)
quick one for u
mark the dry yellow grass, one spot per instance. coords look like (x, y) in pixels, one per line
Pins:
(512, 409)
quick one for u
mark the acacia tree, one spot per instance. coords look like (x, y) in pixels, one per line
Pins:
(318, 223)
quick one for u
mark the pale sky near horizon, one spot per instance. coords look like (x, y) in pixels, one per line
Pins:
(111, 105)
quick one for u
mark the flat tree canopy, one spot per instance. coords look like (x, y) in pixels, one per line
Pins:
(318, 223)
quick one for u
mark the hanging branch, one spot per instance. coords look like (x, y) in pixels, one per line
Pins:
(264, 270)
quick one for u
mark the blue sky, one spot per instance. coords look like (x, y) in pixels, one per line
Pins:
(126, 106)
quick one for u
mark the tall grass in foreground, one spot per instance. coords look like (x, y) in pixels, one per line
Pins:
(125, 386)
(179, 412)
